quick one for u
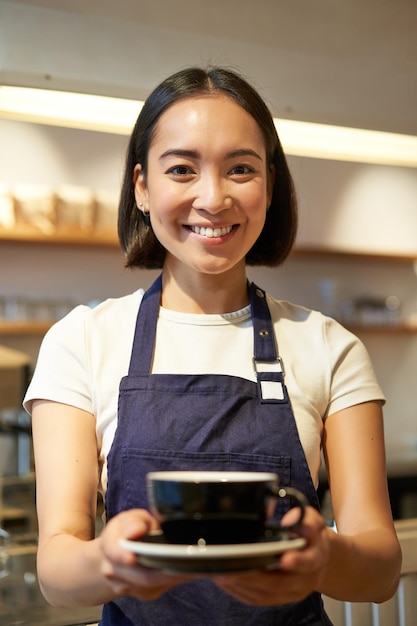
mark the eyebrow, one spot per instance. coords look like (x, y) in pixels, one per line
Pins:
(243, 152)
(194, 154)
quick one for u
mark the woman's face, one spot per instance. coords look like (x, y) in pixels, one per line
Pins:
(208, 184)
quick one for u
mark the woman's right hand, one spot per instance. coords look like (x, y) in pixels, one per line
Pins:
(120, 567)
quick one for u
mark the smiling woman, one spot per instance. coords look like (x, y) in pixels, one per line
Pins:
(189, 375)
(206, 187)
(225, 94)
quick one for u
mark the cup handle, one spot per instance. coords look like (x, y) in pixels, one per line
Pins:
(302, 502)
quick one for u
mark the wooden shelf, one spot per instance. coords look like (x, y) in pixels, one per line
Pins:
(360, 255)
(74, 239)
(14, 481)
(383, 329)
(24, 328)
(8, 513)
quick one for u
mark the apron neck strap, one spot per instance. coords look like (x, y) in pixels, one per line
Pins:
(143, 345)
(145, 331)
(265, 349)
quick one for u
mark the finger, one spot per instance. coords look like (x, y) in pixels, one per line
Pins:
(131, 525)
(136, 523)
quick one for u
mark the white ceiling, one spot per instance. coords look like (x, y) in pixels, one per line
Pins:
(348, 62)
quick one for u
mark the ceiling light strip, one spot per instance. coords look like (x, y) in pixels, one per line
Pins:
(118, 115)
(347, 144)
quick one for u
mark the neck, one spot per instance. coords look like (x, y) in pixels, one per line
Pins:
(204, 293)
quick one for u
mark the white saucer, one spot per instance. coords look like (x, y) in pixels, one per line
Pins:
(154, 551)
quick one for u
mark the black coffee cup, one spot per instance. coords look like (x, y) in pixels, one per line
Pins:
(205, 507)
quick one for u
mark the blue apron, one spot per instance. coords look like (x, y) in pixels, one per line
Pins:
(204, 422)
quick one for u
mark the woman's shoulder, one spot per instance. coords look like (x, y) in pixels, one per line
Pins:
(113, 311)
(284, 311)
(94, 329)
(321, 354)
(303, 326)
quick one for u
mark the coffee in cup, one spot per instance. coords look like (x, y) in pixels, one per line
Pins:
(208, 507)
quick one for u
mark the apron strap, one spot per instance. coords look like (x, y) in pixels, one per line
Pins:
(267, 362)
(146, 321)
(265, 349)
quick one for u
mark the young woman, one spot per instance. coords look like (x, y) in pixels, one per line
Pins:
(173, 379)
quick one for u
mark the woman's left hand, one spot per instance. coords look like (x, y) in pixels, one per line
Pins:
(295, 575)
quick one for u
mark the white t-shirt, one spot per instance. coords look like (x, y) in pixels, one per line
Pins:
(84, 356)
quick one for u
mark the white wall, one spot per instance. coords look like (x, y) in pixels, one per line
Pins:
(358, 207)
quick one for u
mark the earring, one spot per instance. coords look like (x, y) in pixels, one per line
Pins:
(146, 214)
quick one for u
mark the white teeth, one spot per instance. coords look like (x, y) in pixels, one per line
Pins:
(211, 232)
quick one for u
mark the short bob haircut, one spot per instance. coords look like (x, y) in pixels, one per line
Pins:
(138, 241)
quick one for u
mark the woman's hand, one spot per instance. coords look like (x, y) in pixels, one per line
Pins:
(120, 566)
(295, 575)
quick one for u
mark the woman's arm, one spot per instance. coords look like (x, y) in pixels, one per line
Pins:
(365, 556)
(66, 468)
(74, 567)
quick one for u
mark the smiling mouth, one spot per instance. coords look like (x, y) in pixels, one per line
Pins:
(211, 232)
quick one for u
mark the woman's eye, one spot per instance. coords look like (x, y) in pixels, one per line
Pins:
(241, 170)
(180, 170)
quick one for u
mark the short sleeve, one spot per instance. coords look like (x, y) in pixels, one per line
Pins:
(353, 378)
(62, 372)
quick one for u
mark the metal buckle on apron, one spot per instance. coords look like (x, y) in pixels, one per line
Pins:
(270, 380)
(277, 365)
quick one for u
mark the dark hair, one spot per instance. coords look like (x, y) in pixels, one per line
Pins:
(138, 240)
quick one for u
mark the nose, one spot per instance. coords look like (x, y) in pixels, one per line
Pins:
(211, 195)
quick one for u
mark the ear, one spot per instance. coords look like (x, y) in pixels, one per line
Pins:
(141, 192)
